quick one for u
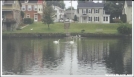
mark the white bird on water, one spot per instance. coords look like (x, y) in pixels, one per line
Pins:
(79, 36)
(56, 42)
(72, 42)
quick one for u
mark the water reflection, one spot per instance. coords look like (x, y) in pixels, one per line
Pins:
(87, 56)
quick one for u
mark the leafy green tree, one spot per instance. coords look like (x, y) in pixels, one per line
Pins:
(22, 14)
(48, 15)
(113, 9)
(56, 3)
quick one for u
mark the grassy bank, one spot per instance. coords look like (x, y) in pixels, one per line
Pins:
(39, 27)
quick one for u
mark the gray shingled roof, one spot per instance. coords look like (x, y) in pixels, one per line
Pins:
(8, 2)
(30, 1)
(129, 3)
(90, 4)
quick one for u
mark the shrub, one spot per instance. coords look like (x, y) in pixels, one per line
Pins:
(82, 31)
(125, 29)
(28, 21)
(123, 18)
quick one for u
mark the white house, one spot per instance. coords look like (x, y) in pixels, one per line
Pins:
(90, 12)
(128, 11)
(59, 15)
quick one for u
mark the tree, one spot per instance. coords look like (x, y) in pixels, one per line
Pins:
(48, 15)
(56, 3)
(69, 8)
(22, 14)
(114, 10)
(75, 18)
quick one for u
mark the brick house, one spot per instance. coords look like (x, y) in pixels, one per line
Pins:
(33, 9)
(11, 17)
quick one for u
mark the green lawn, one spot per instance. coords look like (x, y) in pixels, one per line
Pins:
(39, 27)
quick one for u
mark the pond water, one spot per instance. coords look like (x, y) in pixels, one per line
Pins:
(87, 56)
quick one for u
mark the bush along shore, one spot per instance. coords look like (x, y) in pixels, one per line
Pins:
(45, 35)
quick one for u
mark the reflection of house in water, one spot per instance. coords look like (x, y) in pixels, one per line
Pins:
(93, 51)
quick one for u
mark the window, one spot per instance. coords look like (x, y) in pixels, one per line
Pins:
(29, 7)
(35, 8)
(90, 19)
(96, 18)
(27, 16)
(92, 10)
(23, 8)
(103, 18)
(84, 11)
(106, 18)
(89, 10)
(96, 10)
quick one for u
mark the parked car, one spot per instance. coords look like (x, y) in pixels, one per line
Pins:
(61, 20)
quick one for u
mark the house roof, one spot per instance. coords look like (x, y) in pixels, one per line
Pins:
(30, 1)
(129, 3)
(90, 4)
(11, 2)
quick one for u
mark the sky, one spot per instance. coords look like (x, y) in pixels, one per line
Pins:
(74, 4)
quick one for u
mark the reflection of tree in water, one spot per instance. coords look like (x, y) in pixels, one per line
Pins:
(116, 54)
(14, 50)
(8, 49)
(51, 58)
(108, 52)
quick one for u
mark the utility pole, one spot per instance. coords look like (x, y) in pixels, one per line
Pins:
(71, 11)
